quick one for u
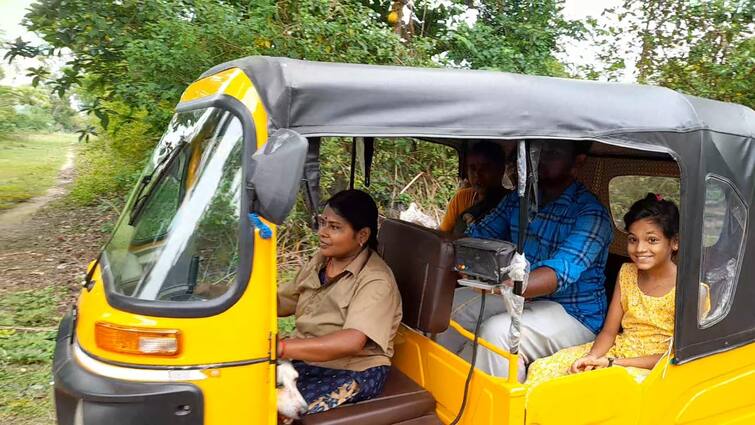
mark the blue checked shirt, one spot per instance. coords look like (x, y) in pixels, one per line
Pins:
(571, 236)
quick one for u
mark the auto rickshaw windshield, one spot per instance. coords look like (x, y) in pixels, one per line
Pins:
(177, 239)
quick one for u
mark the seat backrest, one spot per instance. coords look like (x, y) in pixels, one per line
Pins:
(613, 266)
(422, 261)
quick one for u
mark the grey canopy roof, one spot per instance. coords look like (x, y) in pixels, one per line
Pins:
(707, 139)
(351, 99)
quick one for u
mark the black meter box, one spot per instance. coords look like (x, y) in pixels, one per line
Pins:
(483, 259)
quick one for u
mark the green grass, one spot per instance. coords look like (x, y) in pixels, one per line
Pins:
(26, 356)
(286, 326)
(26, 395)
(29, 164)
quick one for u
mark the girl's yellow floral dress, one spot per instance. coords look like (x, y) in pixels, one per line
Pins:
(648, 325)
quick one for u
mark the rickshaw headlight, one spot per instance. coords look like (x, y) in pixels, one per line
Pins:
(131, 340)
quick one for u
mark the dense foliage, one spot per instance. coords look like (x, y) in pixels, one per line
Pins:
(30, 109)
(129, 61)
(703, 48)
(514, 36)
(143, 54)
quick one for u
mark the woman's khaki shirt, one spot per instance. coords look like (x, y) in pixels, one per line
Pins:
(364, 298)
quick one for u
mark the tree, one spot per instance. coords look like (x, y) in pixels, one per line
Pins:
(34, 108)
(513, 35)
(704, 48)
(143, 54)
(7, 111)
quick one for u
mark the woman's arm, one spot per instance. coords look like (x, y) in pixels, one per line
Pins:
(607, 336)
(336, 345)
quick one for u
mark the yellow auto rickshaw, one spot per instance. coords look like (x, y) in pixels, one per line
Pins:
(176, 323)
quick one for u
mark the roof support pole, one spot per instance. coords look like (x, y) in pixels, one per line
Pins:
(524, 190)
(353, 162)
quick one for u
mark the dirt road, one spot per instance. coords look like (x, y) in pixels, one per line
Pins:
(46, 242)
(21, 213)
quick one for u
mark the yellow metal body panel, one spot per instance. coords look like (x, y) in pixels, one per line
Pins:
(491, 400)
(512, 358)
(718, 389)
(607, 396)
(247, 330)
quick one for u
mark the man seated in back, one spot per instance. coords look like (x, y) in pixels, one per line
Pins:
(485, 165)
(567, 247)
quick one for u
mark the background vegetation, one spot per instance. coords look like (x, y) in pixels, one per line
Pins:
(29, 163)
(35, 109)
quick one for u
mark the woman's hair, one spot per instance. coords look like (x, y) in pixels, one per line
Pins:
(359, 209)
(492, 151)
(662, 212)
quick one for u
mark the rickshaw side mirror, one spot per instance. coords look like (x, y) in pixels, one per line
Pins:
(275, 175)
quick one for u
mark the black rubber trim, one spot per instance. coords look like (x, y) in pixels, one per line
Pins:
(185, 367)
(186, 309)
(110, 401)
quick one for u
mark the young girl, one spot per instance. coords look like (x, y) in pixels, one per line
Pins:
(642, 304)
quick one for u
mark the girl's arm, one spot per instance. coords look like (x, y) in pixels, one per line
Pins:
(643, 362)
(606, 337)
(343, 343)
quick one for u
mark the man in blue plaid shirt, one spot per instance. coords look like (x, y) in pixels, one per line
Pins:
(567, 246)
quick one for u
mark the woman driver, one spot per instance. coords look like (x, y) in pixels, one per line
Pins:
(347, 309)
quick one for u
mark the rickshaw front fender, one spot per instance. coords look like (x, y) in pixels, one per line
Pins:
(85, 398)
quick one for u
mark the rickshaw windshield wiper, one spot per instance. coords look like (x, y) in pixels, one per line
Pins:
(156, 175)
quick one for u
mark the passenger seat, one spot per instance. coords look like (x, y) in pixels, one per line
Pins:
(422, 261)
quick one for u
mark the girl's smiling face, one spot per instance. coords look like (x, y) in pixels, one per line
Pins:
(647, 246)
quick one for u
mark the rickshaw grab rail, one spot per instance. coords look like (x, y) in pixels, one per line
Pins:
(512, 358)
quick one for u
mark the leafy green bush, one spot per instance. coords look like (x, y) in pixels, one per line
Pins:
(108, 166)
(25, 108)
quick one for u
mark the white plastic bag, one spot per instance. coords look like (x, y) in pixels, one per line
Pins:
(414, 215)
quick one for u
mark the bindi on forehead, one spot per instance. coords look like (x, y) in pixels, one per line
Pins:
(329, 216)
